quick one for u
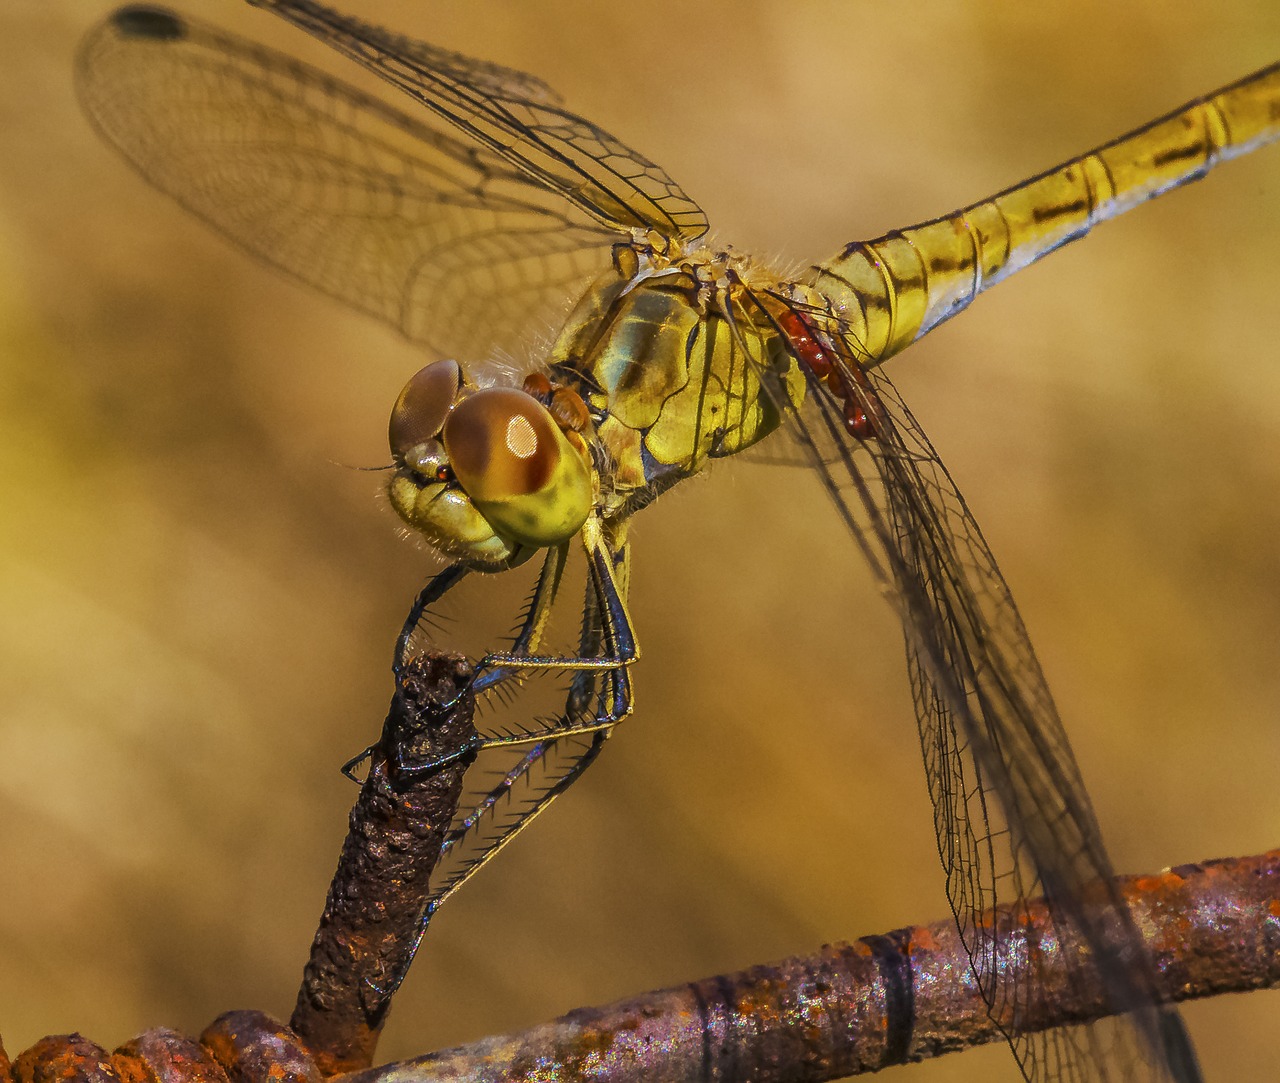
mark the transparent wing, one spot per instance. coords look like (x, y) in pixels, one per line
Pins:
(446, 241)
(517, 117)
(1012, 817)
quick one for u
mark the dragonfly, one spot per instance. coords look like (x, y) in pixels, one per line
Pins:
(489, 208)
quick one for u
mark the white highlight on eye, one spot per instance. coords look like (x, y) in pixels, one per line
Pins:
(522, 441)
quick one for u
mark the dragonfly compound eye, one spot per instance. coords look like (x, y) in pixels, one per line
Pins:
(420, 411)
(517, 466)
(422, 490)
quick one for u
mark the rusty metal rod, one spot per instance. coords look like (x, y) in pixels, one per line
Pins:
(238, 1047)
(853, 1008)
(372, 917)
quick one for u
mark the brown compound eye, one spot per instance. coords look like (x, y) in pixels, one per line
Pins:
(501, 444)
(517, 467)
(422, 407)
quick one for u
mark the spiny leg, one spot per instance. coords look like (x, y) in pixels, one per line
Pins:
(604, 627)
(619, 639)
(607, 647)
(437, 587)
(534, 624)
(608, 629)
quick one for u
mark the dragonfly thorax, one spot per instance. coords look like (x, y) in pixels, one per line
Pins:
(668, 348)
(489, 475)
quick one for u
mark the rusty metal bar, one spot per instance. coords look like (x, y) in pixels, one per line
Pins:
(251, 1047)
(849, 1008)
(372, 917)
(165, 1056)
(64, 1057)
(238, 1047)
(854, 1008)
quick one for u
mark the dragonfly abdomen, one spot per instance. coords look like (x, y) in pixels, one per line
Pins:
(896, 288)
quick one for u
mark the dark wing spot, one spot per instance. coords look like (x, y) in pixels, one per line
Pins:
(142, 21)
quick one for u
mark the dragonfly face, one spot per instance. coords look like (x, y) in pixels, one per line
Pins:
(487, 475)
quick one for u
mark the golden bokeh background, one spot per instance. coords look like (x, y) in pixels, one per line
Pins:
(197, 606)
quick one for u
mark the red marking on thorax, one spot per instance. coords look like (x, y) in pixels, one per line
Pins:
(858, 421)
(805, 342)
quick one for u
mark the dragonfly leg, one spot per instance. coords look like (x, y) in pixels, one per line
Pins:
(606, 649)
(438, 586)
(600, 631)
(532, 627)
(606, 626)
(606, 567)
(349, 768)
(597, 631)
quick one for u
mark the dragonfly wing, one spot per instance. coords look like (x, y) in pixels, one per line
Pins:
(517, 117)
(1012, 817)
(446, 241)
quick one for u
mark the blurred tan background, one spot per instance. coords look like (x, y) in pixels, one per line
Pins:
(197, 607)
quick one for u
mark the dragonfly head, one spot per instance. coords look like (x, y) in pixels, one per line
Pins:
(486, 474)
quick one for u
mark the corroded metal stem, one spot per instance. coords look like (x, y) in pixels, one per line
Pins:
(844, 1010)
(238, 1047)
(372, 917)
(855, 1008)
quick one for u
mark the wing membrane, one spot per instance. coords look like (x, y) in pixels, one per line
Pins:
(444, 240)
(1012, 818)
(518, 118)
